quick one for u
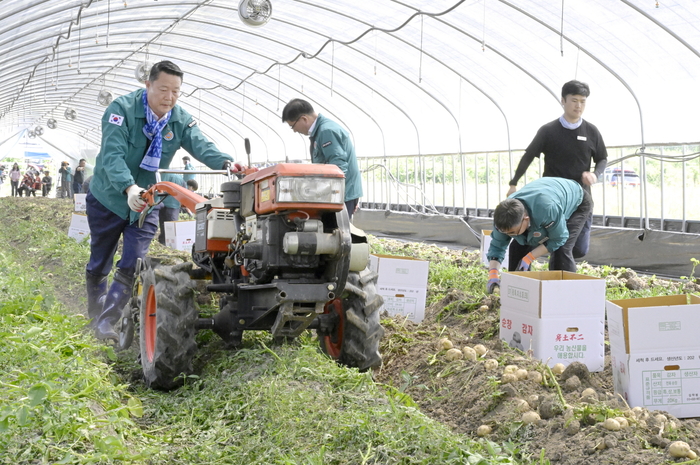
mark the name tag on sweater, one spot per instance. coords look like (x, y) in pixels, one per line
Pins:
(581, 137)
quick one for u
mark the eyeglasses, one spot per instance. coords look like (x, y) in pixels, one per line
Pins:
(295, 123)
(518, 231)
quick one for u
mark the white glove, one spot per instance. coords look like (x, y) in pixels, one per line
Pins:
(133, 198)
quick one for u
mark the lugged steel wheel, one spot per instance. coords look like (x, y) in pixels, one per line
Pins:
(354, 341)
(167, 325)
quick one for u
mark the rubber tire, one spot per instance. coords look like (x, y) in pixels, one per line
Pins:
(355, 339)
(167, 325)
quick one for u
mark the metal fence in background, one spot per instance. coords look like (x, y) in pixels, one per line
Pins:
(654, 188)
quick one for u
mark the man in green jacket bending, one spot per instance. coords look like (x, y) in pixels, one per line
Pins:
(330, 143)
(545, 216)
(141, 132)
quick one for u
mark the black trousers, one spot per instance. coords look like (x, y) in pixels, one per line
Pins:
(563, 257)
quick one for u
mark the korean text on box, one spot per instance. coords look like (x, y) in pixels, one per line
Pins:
(555, 316)
(655, 352)
(403, 283)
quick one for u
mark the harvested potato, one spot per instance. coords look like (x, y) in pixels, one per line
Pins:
(508, 378)
(491, 364)
(530, 417)
(480, 349)
(558, 368)
(521, 373)
(483, 430)
(510, 369)
(484, 308)
(445, 344)
(612, 425)
(535, 376)
(623, 422)
(521, 405)
(692, 455)
(454, 354)
(678, 449)
(589, 393)
(469, 354)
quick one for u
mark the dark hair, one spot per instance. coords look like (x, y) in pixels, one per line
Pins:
(508, 214)
(295, 108)
(193, 184)
(82, 159)
(167, 67)
(575, 88)
(186, 158)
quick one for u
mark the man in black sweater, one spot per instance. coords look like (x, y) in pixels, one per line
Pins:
(569, 144)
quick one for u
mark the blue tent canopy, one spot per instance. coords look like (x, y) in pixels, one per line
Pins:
(36, 155)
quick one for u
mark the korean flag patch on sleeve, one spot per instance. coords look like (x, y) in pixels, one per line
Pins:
(116, 119)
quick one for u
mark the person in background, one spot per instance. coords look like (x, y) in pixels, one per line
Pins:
(79, 177)
(189, 167)
(330, 143)
(46, 184)
(569, 144)
(2, 174)
(66, 180)
(15, 175)
(170, 207)
(545, 216)
(37, 186)
(141, 132)
(27, 186)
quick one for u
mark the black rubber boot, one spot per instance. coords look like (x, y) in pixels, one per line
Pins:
(96, 290)
(117, 297)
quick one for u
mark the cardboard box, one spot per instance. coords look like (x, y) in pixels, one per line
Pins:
(563, 339)
(403, 282)
(556, 316)
(179, 235)
(79, 228)
(79, 202)
(485, 244)
(553, 294)
(655, 352)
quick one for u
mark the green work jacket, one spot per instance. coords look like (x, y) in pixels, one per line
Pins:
(124, 144)
(331, 144)
(549, 202)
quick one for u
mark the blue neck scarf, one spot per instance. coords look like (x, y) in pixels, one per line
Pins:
(152, 130)
(568, 125)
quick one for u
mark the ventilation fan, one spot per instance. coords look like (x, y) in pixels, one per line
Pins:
(38, 130)
(255, 12)
(142, 70)
(31, 134)
(70, 114)
(51, 123)
(105, 97)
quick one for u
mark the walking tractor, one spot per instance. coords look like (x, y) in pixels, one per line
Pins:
(279, 248)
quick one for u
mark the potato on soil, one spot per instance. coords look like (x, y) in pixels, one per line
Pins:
(623, 422)
(678, 449)
(508, 378)
(612, 425)
(454, 354)
(530, 417)
(469, 354)
(510, 369)
(444, 344)
(491, 364)
(521, 373)
(558, 368)
(480, 349)
(535, 376)
(483, 430)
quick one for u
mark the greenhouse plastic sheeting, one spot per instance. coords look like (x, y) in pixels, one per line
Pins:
(658, 252)
(405, 77)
